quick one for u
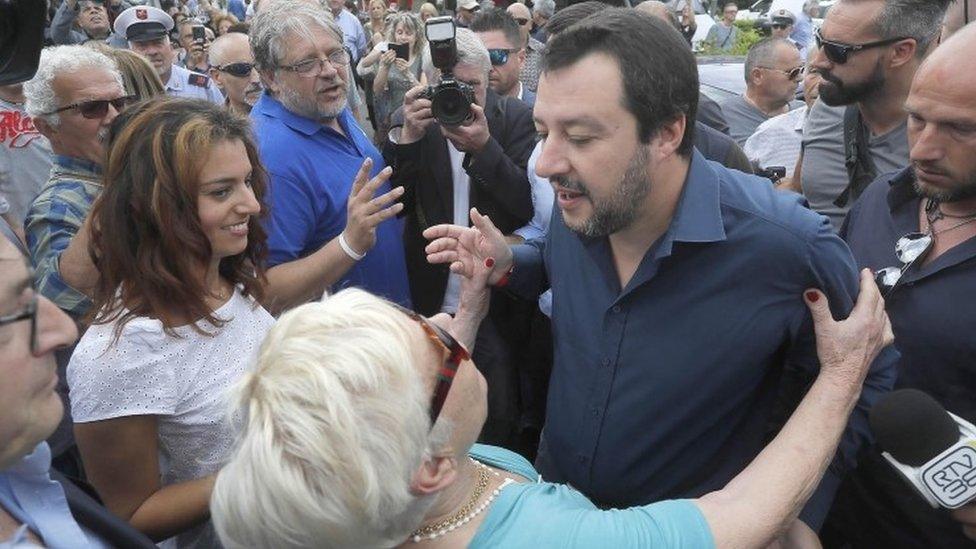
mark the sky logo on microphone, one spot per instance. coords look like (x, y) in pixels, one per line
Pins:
(951, 477)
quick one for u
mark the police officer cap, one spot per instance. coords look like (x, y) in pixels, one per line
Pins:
(783, 17)
(143, 23)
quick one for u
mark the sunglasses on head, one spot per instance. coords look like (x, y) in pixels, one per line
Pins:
(97, 108)
(499, 56)
(445, 374)
(239, 70)
(839, 53)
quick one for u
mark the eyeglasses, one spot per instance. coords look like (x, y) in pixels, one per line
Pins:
(780, 25)
(445, 375)
(98, 108)
(311, 68)
(499, 56)
(29, 312)
(793, 74)
(910, 248)
(239, 70)
(521, 21)
(839, 53)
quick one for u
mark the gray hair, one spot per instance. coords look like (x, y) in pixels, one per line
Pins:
(762, 53)
(281, 19)
(412, 21)
(471, 51)
(57, 60)
(544, 8)
(918, 19)
(336, 422)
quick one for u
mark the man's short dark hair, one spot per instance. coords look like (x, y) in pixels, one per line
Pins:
(563, 4)
(918, 19)
(660, 76)
(497, 19)
(566, 17)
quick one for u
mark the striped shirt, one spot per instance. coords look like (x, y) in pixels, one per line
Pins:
(54, 219)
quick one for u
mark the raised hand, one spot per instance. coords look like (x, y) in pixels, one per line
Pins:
(468, 249)
(363, 212)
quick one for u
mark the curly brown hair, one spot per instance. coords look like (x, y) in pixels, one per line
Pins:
(146, 238)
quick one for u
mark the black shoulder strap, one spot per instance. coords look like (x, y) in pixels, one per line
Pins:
(861, 170)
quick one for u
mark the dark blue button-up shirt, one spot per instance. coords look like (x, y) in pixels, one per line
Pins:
(312, 168)
(933, 319)
(665, 388)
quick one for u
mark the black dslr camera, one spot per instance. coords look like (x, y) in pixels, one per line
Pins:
(450, 100)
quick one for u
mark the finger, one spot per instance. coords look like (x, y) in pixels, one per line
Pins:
(361, 176)
(369, 189)
(441, 244)
(869, 300)
(412, 93)
(817, 303)
(383, 200)
(382, 215)
(460, 268)
(444, 231)
(441, 320)
(483, 223)
(442, 257)
(479, 113)
(887, 334)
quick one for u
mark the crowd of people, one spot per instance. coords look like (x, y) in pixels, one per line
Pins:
(259, 290)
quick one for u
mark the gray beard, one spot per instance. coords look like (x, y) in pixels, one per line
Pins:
(965, 191)
(307, 108)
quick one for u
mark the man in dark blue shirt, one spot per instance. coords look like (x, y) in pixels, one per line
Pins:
(929, 302)
(676, 282)
(325, 231)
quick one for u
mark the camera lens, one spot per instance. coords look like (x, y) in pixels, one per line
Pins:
(450, 106)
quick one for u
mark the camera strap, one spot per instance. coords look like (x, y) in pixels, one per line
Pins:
(861, 170)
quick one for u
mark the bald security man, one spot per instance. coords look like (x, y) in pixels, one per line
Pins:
(232, 69)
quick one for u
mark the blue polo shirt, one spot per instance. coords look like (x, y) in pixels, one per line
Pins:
(933, 320)
(665, 389)
(312, 168)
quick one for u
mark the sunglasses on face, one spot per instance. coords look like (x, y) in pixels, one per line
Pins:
(499, 56)
(29, 312)
(910, 248)
(445, 374)
(793, 74)
(779, 26)
(839, 53)
(239, 70)
(98, 108)
(521, 21)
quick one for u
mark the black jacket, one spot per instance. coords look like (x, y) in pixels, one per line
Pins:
(499, 187)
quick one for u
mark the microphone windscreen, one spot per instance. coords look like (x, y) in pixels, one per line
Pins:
(912, 426)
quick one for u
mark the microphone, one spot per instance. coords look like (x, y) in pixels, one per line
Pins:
(934, 450)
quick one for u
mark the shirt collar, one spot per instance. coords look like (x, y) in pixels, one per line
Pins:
(75, 164)
(273, 108)
(698, 217)
(174, 83)
(36, 463)
(902, 189)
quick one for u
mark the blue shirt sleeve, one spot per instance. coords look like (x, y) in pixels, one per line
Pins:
(834, 272)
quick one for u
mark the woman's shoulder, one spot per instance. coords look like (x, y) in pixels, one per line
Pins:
(507, 460)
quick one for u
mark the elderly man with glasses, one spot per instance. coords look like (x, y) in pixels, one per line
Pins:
(232, 69)
(317, 157)
(772, 70)
(868, 52)
(916, 228)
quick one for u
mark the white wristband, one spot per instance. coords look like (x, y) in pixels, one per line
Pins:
(348, 249)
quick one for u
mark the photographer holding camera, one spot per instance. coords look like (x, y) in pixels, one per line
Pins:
(455, 146)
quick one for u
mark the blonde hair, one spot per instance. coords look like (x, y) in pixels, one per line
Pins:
(139, 78)
(336, 423)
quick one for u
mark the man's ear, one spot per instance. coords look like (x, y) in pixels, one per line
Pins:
(434, 475)
(903, 52)
(268, 81)
(216, 76)
(668, 138)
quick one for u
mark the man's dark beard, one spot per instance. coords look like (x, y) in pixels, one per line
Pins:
(621, 208)
(835, 92)
(965, 191)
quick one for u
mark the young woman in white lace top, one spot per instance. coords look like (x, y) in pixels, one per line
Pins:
(179, 249)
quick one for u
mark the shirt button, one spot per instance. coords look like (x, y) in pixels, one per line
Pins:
(616, 309)
(606, 362)
(594, 411)
(581, 459)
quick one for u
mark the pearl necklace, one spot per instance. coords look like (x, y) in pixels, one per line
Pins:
(468, 511)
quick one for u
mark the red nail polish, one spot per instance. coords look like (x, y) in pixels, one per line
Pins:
(812, 297)
(489, 262)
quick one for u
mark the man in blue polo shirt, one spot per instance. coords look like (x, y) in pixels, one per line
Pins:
(325, 231)
(676, 283)
(935, 200)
